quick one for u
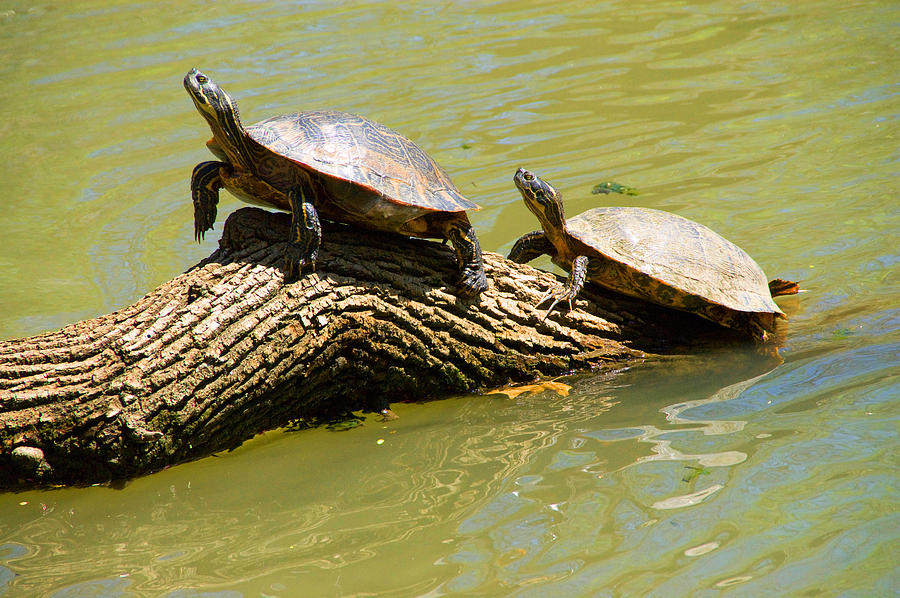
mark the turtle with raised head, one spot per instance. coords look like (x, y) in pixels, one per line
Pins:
(333, 165)
(652, 255)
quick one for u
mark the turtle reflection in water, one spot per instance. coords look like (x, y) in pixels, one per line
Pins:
(331, 164)
(652, 255)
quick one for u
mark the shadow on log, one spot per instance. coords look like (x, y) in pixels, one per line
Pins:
(225, 350)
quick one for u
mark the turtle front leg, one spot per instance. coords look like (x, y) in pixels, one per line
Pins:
(206, 180)
(305, 236)
(472, 280)
(529, 246)
(570, 289)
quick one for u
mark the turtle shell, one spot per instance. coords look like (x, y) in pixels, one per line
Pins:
(679, 261)
(346, 149)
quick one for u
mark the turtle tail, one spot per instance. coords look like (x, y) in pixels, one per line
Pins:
(780, 286)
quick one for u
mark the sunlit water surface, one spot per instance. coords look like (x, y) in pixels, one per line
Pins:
(773, 123)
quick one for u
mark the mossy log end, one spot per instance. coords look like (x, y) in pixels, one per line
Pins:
(226, 350)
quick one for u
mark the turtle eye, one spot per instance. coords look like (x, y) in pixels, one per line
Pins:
(201, 79)
(527, 176)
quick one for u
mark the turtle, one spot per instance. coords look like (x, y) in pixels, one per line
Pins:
(652, 255)
(333, 165)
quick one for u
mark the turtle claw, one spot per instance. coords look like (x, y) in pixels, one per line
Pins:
(296, 260)
(200, 230)
(204, 217)
(472, 282)
(558, 294)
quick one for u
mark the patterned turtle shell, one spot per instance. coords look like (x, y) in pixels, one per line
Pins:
(363, 153)
(673, 260)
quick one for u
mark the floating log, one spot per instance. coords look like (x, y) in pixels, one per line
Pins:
(226, 350)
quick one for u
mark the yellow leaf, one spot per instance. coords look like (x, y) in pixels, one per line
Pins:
(513, 391)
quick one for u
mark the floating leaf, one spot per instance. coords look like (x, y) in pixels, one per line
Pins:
(513, 391)
(610, 187)
(694, 473)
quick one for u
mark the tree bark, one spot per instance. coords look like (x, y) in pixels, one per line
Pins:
(226, 350)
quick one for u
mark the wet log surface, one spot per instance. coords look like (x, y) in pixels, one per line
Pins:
(226, 350)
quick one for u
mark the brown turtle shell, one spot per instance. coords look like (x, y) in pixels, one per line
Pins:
(367, 155)
(672, 260)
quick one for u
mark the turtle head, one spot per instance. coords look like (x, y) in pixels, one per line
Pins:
(217, 107)
(542, 199)
(211, 100)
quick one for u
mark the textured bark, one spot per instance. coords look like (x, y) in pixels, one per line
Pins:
(226, 350)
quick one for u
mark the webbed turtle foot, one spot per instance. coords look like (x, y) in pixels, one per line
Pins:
(557, 294)
(472, 279)
(569, 290)
(298, 259)
(306, 235)
(206, 180)
(204, 217)
(472, 282)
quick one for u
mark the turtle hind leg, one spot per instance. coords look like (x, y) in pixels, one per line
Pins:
(206, 180)
(472, 279)
(305, 236)
(569, 290)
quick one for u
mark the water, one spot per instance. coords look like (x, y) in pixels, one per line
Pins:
(773, 123)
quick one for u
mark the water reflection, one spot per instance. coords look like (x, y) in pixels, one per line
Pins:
(662, 447)
(592, 472)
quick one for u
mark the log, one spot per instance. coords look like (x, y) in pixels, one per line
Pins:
(227, 350)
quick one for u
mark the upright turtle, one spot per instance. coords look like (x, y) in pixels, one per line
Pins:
(331, 164)
(652, 255)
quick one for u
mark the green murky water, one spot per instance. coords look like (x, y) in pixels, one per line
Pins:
(773, 123)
